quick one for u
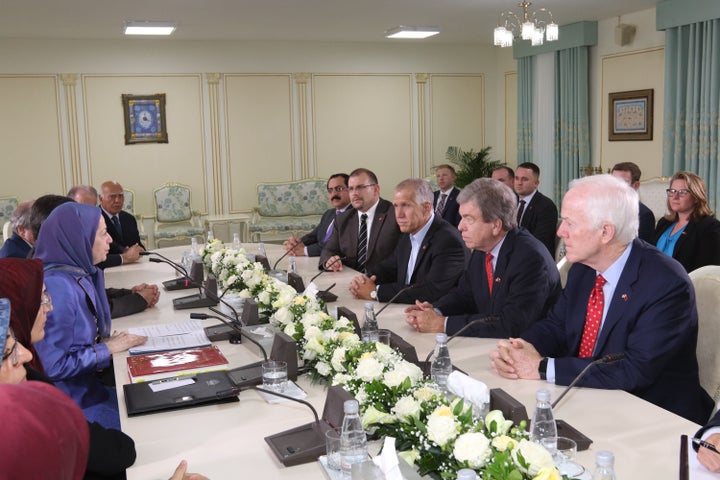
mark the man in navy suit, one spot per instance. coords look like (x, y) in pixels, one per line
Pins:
(622, 296)
(505, 175)
(429, 255)
(630, 173)
(21, 241)
(367, 233)
(711, 434)
(536, 212)
(511, 279)
(445, 202)
(311, 244)
(122, 227)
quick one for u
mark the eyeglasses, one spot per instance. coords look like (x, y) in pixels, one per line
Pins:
(671, 192)
(46, 301)
(12, 354)
(360, 188)
(338, 189)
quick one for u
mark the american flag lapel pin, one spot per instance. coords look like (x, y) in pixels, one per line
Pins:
(624, 297)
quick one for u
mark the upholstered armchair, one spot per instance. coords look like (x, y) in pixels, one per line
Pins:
(174, 219)
(129, 207)
(7, 207)
(706, 281)
(653, 195)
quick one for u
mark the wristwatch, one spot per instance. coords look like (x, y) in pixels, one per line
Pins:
(373, 294)
(542, 368)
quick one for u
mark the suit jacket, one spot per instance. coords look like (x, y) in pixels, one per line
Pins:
(647, 224)
(130, 236)
(384, 235)
(714, 422)
(124, 302)
(15, 247)
(315, 240)
(652, 319)
(698, 245)
(527, 284)
(439, 264)
(541, 219)
(451, 212)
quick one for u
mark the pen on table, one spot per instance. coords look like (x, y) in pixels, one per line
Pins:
(705, 444)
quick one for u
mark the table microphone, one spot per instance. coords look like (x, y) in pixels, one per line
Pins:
(604, 360)
(324, 269)
(402, 290)
(288, 397)
(235, 327)
(187, 281)
(279, 259)
(426, 364)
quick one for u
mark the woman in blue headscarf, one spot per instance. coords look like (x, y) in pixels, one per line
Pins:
(77, 341)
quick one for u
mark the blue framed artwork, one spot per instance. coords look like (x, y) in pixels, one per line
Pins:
(144, 118)
(631, 115)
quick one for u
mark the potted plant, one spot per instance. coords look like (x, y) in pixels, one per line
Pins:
(471, 164)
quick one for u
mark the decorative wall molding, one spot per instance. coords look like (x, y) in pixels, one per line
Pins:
(69, 81)
(213, 84)
(301, 83)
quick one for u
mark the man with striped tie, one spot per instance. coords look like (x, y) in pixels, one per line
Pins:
(311, 244)
(122, 227)
(365, 234)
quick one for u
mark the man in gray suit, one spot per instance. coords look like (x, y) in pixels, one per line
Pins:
(366, 234)
(311, 245)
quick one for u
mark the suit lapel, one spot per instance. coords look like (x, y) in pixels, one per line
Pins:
(378, 221)
(427, 241)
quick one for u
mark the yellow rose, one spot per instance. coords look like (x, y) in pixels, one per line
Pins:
(547, 473)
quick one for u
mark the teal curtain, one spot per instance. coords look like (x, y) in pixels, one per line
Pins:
(525, 110)
(692, 103)
(572, 119)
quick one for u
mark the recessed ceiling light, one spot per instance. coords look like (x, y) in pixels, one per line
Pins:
(411, 32)
(149, 28)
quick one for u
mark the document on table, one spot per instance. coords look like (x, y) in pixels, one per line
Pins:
(170, 336)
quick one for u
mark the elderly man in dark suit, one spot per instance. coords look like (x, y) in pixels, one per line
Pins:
(536, 212)
(122, 227)
(622, 296)
(445, 199)
(21, 241)
(365, 235)
(429, 255)
(511, 279)
(311, 245)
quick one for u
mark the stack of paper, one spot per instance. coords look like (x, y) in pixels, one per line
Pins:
(170, 336)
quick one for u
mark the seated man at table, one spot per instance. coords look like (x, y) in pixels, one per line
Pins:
(511, 279)
(311, 245)
(122, 301)
(122, 227)
(84, 194)
(367, 233)
(623, 296)
(430, 253)
(21, 241)
(445, 198)
(711, 434)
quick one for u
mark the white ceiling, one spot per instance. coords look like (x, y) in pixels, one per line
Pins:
(460, 21)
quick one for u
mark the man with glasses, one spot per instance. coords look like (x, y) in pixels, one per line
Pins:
(366, 234)
(122, 227)
(311, 245)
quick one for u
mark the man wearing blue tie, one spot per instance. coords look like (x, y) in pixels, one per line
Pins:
(312, 243)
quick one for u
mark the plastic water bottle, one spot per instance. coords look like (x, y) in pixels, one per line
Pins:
(441, 366)
(261, 249)
(210, 235)
(236, 241)
(604, 466)
(466, 474)
(292, 266)
(369, 328)
(353, 442)
(543, 428)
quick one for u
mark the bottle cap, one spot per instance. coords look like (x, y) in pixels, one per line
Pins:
(605, 458)
(351, 406)
(466, 474)
(369, 305)
(543, 395)
(441, 338)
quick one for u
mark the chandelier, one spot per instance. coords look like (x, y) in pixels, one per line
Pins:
(531, 26)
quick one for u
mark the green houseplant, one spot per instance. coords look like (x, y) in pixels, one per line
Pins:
(471, 164)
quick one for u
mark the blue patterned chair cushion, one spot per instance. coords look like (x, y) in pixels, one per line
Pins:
(285, 224)
(179, 230)
(300, 198)
(7, 207)
(173, 203)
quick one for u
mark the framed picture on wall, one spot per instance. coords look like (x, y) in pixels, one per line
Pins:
(144, 118)
(631, 115)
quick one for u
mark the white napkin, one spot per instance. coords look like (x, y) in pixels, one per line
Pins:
(311, 290)
(387, 461)
(474, 391)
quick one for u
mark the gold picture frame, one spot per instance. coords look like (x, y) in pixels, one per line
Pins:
(144, 117)
(630, 115)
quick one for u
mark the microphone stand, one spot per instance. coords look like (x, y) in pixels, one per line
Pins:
(184, 283)
(402, 290)
(607, 359)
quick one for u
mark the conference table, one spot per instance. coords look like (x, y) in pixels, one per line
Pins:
(226, 441)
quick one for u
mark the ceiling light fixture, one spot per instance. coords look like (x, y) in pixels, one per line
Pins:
(525, 25)
(149, 28)
(411, 32)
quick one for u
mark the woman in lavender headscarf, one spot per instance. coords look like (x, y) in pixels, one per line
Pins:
(77, 341)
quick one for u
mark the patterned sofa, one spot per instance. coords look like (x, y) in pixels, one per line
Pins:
(286, 208)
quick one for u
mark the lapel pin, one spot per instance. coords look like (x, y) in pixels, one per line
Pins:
(497, 280)
(624, 297)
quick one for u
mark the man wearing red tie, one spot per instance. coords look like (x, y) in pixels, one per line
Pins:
(510, 281)
(622, 296)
